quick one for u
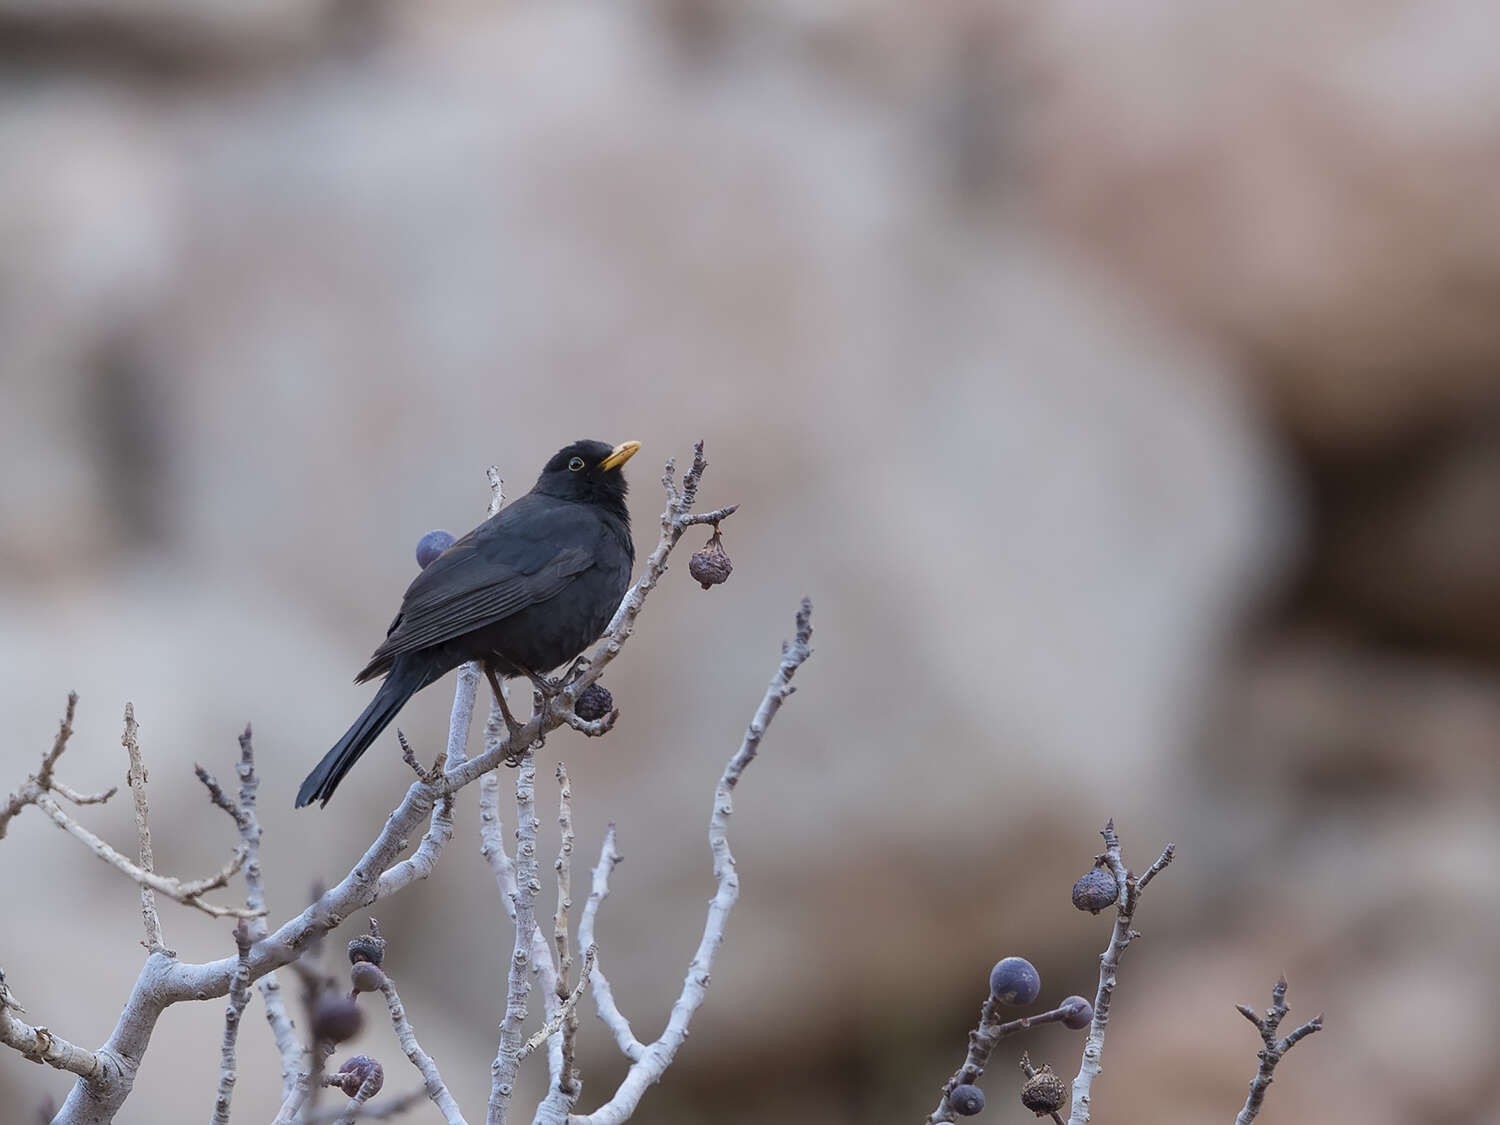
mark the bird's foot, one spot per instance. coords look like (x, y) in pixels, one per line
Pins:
(546, 687)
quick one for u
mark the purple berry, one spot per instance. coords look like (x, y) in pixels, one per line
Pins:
(366, 976)
(1015, 981)
(594, 702)
(1080, 1013)
(357, 1071)
(966, 1101)
(336, 1018)
(431, 545)
(1096, 891)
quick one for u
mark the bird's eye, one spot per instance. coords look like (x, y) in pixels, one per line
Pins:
(575, 464)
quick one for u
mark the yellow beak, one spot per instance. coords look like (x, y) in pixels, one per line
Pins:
(620, 454)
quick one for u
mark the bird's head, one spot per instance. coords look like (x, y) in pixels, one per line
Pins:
(589, 472)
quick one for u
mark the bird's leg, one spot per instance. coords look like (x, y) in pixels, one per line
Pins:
(513, 727)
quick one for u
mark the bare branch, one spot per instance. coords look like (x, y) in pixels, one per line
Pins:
(564, 1081)
(564, 1013)
(40, 1045)
(137, 779)
(188, 893)
(1109, 962)
(277, 1018)
(604, 998)
(239, 996)
(492, 847)
(1274, 1048)
(982, 1043)
(658, 1056)
(41, 781)
(508, 1056)
(432, 1081)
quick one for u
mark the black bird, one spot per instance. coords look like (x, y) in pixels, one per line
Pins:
(527, 590)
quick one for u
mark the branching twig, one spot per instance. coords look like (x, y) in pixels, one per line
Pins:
(492, 847)
(658, 1056)
(565, 1009)
(604, 997)
(982, 1043)
(1129, 896)
(1274, 1048)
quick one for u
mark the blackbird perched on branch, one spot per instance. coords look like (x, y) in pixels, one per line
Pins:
(525, 591)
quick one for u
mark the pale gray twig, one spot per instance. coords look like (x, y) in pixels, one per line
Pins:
(432, 1080)
(604, 997)
(1273, 1050)
(239, 996)
(137, 779)
(658, 1055)
(1129, 895)
(508, 1055)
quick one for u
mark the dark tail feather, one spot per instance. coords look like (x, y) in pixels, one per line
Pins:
(403, 682)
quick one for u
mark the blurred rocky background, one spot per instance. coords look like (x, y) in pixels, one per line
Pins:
(1122, 382)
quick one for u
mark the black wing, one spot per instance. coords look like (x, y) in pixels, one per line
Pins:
(528, 553)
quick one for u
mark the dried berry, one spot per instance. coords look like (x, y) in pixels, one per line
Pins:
(1096, 891)
(1080, 1013)
(366, 976)
(431, 545)
(1015, 981)
(336, 1018)
(711, 565)
(367, 947)
(358, 1070)
(966, 1100)
(1044, 1092)
(594, 702)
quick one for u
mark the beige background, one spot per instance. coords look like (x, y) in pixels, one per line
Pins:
(1121, 383)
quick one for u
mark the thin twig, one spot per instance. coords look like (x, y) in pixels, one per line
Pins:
(492, 847)
(508, 1056)
(658, 1056)
(239, 996)
(432, 1080)
(1274, 1048)
(982, 1043)
(604, 997)
(282, 1030)
(565, 1010)
(137, 779)
(1109, 962)
(382, 1112)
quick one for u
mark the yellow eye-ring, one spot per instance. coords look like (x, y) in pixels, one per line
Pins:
(575, 464)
